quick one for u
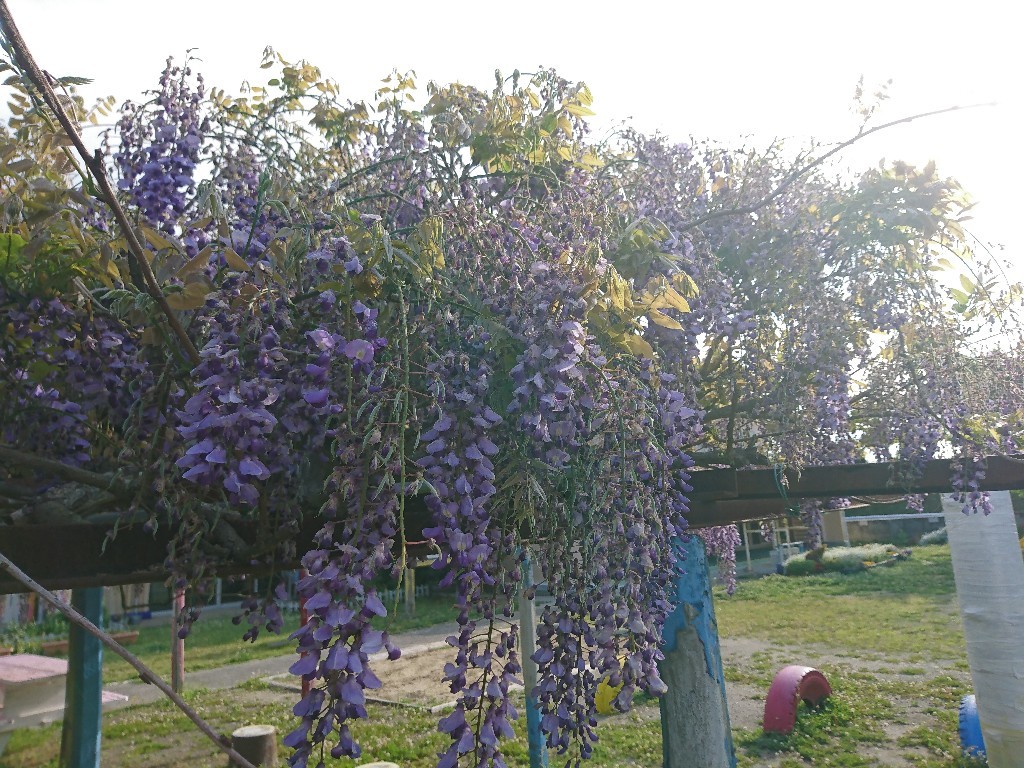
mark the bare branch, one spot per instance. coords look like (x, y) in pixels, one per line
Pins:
(807, 167)
(147, 675)
(109, 483)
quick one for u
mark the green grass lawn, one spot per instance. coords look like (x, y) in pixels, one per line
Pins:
(216, 642)
(896, 666)
(908, 609)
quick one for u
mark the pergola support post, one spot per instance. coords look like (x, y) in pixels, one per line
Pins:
(694, 714)
(80, 735)
(177, 644)
(989, 573)
(527, 647)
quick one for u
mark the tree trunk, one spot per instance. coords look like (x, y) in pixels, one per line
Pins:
(694, 715)
(989, 574)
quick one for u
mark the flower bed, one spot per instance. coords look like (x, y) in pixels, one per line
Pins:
(844, 559)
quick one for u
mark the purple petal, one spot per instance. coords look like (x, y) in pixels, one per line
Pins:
(320, 600)
(374, 605)
(218, 455)
(337, 657)
(254, 467)
(306, 665)
(315, 397)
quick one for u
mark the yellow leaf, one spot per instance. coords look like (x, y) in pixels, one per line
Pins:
(155, 239)
(235, 261)
(578, 109)
(638, 345)
(534, 101)
(617, 290)
(660, 295)
(196, 263)
(659, 318)
(565, 153)
(193, 297)
(684, 283)
(591, 160)
(676, 301)
(113, 271)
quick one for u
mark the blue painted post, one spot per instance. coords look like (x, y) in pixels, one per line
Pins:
(80, 738)
(527, 647)
(694, 715)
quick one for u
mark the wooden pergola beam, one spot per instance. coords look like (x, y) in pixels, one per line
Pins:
(73, 556)
(1002, 473)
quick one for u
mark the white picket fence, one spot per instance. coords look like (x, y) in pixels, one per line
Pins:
(390, 595)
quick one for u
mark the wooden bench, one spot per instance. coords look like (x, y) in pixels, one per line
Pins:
(32, 692)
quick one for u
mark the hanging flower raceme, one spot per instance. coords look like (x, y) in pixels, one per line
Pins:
(160, 148)
(476, 551)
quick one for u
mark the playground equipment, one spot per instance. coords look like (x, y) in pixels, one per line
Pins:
(972, 741)
(791, 685)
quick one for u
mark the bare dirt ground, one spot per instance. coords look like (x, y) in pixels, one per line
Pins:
(415, 679)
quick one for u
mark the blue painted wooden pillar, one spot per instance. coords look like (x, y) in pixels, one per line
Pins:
(527, 646)
(80, 738)
(694, 716)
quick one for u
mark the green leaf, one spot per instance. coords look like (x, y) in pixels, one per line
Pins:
(20, 166)
(11, 246)
(960, 296)
(196, 263)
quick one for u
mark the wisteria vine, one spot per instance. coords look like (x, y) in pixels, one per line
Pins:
(469, 331)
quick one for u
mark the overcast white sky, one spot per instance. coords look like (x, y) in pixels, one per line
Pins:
(715, 69)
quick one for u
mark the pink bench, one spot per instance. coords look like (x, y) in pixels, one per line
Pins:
(32, 692)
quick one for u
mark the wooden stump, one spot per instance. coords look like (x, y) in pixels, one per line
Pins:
(256, 743)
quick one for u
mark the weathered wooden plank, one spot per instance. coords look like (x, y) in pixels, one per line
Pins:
(69, 556)
(1002, 473)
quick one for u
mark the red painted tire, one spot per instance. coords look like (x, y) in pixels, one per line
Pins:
(791, 685)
